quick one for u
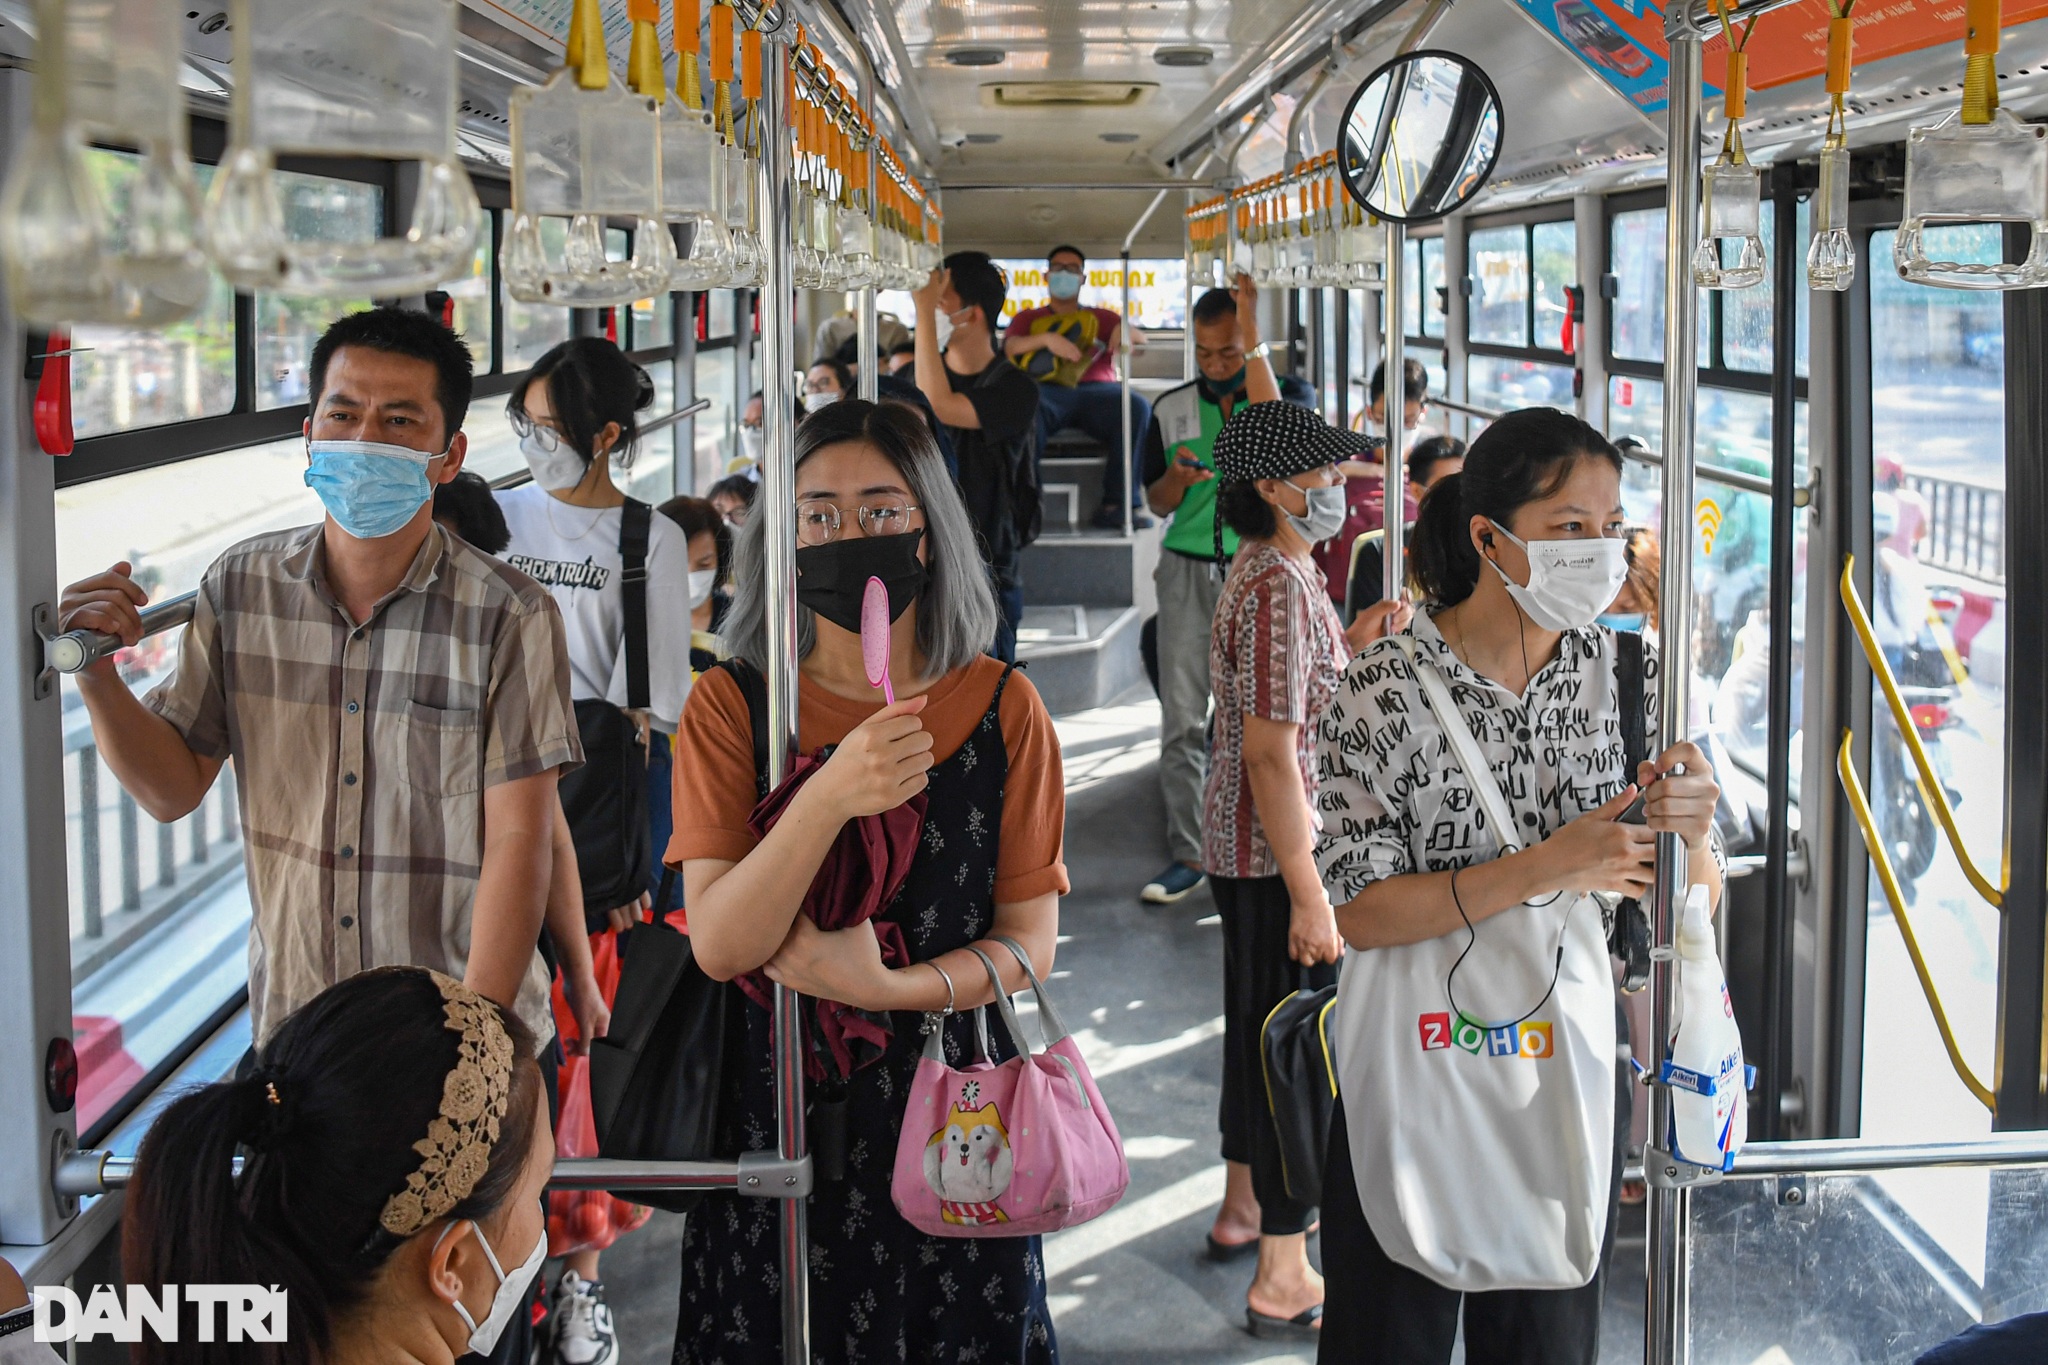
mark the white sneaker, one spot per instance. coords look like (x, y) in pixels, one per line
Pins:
(582, 1331)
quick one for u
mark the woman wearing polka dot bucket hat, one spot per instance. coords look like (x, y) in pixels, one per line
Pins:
(1276, 653)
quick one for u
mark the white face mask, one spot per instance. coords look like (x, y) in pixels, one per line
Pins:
(750, 443)
(1327, 509)
(1570, 581)
(511, 1295)
(816, 402)
(554, 463)
(702, 581)
(942, 328)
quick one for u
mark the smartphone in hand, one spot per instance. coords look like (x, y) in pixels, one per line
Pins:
(1635, 814)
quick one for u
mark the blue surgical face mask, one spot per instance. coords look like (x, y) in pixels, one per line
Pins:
(1063, 284)
(370, 489)
(1623, 620)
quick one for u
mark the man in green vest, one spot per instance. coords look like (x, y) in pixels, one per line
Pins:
(1179, 478)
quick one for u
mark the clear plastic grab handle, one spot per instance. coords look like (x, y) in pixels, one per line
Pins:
(374, 79)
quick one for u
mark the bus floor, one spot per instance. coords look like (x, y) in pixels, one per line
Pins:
(1141, 986)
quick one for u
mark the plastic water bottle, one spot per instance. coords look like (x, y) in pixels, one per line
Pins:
(1709, 1105)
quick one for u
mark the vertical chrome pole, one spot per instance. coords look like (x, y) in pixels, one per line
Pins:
(1394, 411)
(1123, 336)
(1187, 304)
(778, 506)
(1664, 1338)
(869, 323)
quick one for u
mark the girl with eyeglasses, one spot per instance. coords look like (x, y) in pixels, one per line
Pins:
(873, 500)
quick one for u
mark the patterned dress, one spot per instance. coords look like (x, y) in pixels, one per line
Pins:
(880, 1289)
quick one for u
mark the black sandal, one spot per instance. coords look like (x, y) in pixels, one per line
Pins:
(1223, 1253)
(1303, 1326)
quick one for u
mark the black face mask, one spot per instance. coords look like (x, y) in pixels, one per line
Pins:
(833, 579)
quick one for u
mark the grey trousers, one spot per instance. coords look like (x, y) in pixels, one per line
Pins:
(1188, 592)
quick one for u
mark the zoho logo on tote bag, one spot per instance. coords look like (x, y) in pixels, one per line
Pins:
(1012, 1149)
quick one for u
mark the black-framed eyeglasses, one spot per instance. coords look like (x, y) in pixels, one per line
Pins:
(818, 521)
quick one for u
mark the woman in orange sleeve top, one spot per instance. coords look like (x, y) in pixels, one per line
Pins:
(873, 499)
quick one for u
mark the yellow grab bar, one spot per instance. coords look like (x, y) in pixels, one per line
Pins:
(1930, 787)
(1845, 768)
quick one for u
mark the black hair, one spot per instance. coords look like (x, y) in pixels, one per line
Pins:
(1415, 385)
(1245, 512)
(591, 384)
(1298, 391)
(402, 331)
(890, 388)
(733, 486)
(903, 348)
(839, 372)
(979, 282)
(1214, 306)
(358, 1074)
(1063, 246)
(697, 516)
(1523, 457)
(1428, 454)
(470, 509)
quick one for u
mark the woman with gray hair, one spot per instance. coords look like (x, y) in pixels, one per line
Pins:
(969, 738)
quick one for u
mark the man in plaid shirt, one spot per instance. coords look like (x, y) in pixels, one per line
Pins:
(396, 702)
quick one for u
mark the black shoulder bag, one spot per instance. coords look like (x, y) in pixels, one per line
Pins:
(1301, 1086)
(1628, 926)
(659, 1079)
(1023, 498)
(605, 800)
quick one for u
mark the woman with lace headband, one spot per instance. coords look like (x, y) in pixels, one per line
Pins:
(395, 1150)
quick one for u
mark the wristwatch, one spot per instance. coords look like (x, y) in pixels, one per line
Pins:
(1260, 351)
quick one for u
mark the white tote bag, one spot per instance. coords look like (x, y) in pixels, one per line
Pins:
(1483, 1148)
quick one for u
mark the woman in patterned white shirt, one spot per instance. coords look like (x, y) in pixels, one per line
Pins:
(1472, 1160)
(1276, 652)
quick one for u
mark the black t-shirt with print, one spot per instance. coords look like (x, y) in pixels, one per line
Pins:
(994, 458)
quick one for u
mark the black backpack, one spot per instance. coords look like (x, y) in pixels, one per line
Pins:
(605, 800)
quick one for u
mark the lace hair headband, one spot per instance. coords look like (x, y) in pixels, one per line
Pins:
(457, 1148)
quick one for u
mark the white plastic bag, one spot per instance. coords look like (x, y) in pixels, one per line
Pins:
(1709, 1083)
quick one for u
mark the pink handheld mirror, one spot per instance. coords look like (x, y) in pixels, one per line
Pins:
(874, 637)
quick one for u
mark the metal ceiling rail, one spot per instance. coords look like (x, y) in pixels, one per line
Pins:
(1701, 17)
(1039, 186)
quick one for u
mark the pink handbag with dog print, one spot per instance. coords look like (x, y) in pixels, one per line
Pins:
(1007, 1149)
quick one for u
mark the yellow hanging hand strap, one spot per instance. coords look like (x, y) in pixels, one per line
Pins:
(1735, 90)
(643, 62)
(1841, 54)
(689, 84)
(586, 54)
(1982, 20)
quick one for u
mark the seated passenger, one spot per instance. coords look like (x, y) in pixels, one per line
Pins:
(1180, 476)
(842, 330)
(1476, 1152)
(990, 411)
(1069, 350)
(1429, 462)
(902, 357)
(710, 543)
(874, 500)
(397, 1142)
(396, 702)
(1274, 665)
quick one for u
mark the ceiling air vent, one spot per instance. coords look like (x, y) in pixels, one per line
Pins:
(1118, 137)
(1066, 94)
(977, 56)
(983, 139)
(1184, 56)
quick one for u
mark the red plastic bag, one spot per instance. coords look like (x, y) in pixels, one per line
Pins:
(585, 1220)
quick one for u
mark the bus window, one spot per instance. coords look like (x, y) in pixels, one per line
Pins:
(715, 442)
(1554, 266)
(653, 475)
(1500, 297)
(1937, 603)
(1505, 384)
(122, 379)
(472, 297)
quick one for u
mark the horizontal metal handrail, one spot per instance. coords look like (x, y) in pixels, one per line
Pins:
(1483, 414)
(85, 1173)
(1853, 1156)
(76, 650)
(1721, 474)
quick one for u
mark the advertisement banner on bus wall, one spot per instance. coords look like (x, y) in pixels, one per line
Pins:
(1622, 41)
